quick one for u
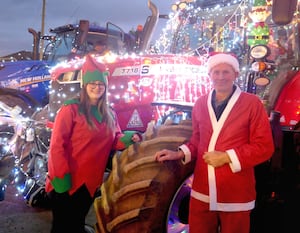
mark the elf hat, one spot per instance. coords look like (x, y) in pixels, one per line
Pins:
(93, 71)
(257, 3)
(259, 6)
(217, 58)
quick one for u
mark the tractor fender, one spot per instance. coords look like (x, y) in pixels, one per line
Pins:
(13, 97)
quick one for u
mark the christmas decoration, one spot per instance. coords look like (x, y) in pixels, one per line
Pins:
(258, 30)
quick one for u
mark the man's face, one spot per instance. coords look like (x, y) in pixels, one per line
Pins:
(222, 77)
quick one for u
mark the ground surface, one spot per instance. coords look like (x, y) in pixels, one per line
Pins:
(17, 217)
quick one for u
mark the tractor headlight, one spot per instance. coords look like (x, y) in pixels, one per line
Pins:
(259, 51)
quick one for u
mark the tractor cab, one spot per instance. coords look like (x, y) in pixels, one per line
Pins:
(66, 43)
(72, 41)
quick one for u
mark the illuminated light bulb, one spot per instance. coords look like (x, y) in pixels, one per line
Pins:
(258, 66)
(147, 61)
(261, 80)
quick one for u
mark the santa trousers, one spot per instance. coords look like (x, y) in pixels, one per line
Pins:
(202, 220)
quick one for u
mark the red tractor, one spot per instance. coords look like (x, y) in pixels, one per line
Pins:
(135, 82)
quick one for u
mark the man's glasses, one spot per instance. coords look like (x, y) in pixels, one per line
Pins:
(94, 85)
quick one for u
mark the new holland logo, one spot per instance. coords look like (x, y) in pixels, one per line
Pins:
(135, 120)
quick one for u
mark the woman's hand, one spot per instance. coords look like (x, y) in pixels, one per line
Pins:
(136, 137)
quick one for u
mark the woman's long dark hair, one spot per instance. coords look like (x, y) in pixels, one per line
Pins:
(102, 106)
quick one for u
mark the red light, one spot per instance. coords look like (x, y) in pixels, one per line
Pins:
(139, 28)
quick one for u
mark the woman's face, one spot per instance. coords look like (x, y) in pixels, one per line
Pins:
(95, 90)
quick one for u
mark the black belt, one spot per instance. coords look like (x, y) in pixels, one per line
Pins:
(258, 37)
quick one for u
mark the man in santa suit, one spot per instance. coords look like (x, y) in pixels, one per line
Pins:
(231, 135)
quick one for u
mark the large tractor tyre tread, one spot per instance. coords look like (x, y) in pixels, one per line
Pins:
(138, 192)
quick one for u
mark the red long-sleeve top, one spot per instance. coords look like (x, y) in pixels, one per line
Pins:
(79, 151)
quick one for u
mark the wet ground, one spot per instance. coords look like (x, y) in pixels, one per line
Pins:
(273, 215)
(17, 217)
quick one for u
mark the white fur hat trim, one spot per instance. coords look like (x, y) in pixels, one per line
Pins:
(219, 58)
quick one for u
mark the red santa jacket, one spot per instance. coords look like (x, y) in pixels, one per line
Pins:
(78, 154)
(244, 132)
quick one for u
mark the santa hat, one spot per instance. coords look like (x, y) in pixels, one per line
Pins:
(217, 58)
(93, 71)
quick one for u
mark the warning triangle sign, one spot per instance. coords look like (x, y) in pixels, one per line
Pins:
(135, 120)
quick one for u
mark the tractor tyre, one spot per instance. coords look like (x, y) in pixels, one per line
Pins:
(137, 195)
(13, 97)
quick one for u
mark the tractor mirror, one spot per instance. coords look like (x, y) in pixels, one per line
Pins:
(283, 11)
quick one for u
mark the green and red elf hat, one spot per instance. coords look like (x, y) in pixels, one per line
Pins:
(259, 5)
(93, 70)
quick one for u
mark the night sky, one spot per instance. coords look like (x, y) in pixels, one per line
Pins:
(16, 16)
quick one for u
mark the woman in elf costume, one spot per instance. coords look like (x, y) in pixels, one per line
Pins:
(85, 131)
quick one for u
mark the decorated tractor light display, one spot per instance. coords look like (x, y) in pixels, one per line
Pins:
(174, 71)
(261, 68)
(134, 83)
